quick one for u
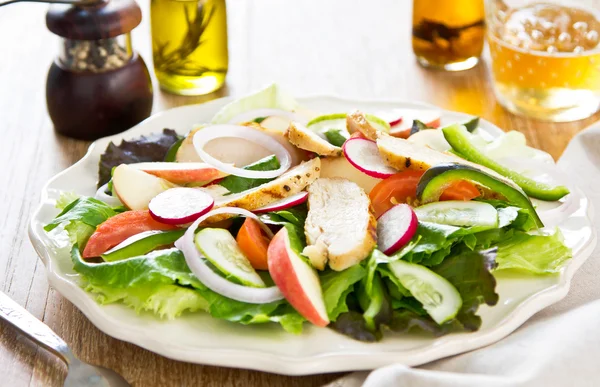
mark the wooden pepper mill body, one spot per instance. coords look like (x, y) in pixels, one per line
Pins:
(97, 86)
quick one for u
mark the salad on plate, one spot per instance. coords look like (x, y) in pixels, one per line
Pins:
(363, 222)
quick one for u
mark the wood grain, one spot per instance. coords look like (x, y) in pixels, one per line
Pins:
(310, 47)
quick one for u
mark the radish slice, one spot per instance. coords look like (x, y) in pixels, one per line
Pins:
(284, 203)
(101, 195)
(395, 228)
(364, 155)
(212, 280)
(180, 205)
(205, 135)
(263, 113)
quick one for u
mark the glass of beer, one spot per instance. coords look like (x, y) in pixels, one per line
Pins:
(546, 57)
(446, 34)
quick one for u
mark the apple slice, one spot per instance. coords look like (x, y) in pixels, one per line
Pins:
(296, 279)
(340, 167)
(136, 188)
(402, 129)
(181, 173)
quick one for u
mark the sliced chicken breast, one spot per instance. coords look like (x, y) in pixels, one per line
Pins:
(340, 228)
(403, 154)
(306, 139)
(357, 122)
(292, 182)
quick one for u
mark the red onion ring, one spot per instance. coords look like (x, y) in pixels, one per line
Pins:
(214, 281)
(203, 136)
(253, 114)
(101, 195)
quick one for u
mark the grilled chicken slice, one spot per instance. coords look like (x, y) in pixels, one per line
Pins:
(292, 182)
(237, 151)
(357, 122)
(402, 154)
(340, 227)
(306, 139)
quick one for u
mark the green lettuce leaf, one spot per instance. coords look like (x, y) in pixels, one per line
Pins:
(81, 217)
(336, 137)
(538, 254)
(471, 274)
(161, 282)
(293, 215)
(337, 285)
(236, 184)
(271, 97)
(143, 149)
(65, 199)
(354, 325)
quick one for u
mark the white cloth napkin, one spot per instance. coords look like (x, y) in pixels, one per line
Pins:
(559, 346)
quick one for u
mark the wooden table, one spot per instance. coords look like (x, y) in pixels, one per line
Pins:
(311, 47)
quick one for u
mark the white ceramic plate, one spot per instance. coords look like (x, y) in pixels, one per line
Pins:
(198, 338)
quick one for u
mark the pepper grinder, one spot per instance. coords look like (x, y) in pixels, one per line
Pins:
(97, 85)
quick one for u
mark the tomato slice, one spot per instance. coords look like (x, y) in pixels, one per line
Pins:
(398, 188)
(253, 243)
(402, 188)
(120, 227)
(460, 190)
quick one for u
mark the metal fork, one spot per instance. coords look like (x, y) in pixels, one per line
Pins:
(79, 373)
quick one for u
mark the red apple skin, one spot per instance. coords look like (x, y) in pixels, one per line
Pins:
(285, 277)
(186, 175)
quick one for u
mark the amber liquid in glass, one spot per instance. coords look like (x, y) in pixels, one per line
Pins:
(189, 45)
(448, 34)
(546, 61)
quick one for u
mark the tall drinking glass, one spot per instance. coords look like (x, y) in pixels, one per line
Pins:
(546, 57)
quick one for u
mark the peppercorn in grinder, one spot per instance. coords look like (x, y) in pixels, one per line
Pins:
(97, 85)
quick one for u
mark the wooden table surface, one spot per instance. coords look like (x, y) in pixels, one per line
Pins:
(338, 47)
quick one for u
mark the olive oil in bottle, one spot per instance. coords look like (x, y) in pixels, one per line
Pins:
(189, 45)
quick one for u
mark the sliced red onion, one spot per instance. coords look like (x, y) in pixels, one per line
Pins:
(101, 195)
(548, 173)
(214, 281)
(205, 135)
(253, 114)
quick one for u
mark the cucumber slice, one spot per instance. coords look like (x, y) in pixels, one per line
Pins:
(141, 244)
(459, 213)
(330, 123)
(460, 140)
(337, 121)
(378, 123)
(220, 248)
(439, 297)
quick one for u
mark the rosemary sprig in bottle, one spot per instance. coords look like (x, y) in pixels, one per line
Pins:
(177, 61)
